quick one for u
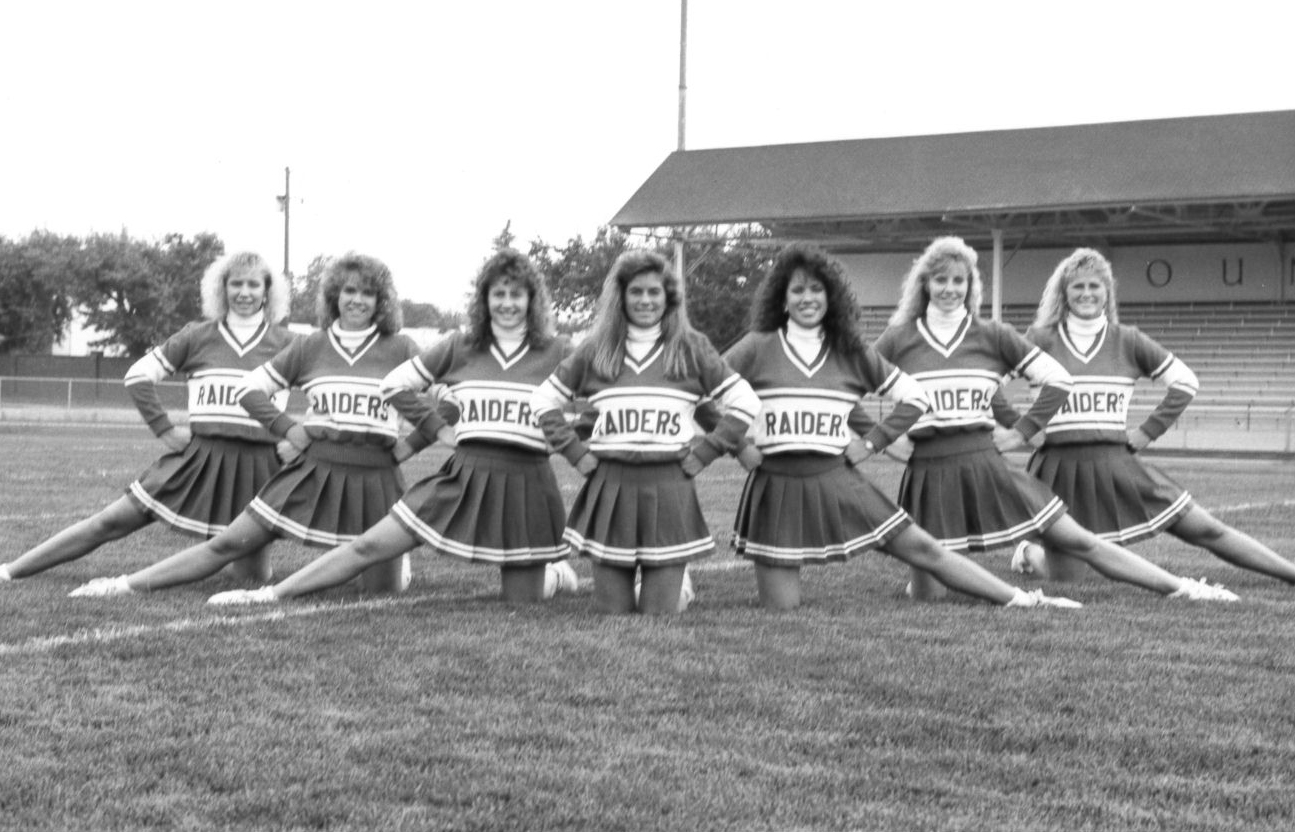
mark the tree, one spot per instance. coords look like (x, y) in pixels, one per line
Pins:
(429, 315)
(574, 273)
(721, 281)
(719, 284)
(139, 293)
(505, 238)
(36, 276)
(305, 293)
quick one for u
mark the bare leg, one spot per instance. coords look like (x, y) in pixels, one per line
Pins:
(916, 547)
(115, 521)
(614, 589)
(659, 594)
(243, 537)
(1054, 566)
(253, 569)
(388, 576)
(778, 587)
(382, 544)
(1115, 562)
(1200, 528)
(523, 583)
(923, 586)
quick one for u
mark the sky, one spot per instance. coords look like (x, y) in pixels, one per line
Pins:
(415, 131)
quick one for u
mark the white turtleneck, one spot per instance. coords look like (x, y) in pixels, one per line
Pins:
(244, 327)
(352, 338)
(944, 325)
(640, 340)
(806, 341)
(508, 339)
(1084, 331)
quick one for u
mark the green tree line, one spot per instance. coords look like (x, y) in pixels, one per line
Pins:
(138, 292)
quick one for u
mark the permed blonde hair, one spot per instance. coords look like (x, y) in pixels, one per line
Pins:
(913, 296)
(510, 265)
(215, 300)
(1053, 306)
(611, 327)
(373, 275)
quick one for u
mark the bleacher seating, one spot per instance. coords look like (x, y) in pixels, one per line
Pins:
(1242, 353)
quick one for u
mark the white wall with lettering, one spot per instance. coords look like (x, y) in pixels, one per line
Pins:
(1144, 274)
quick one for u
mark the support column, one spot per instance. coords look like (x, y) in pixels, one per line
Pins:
(996, 280)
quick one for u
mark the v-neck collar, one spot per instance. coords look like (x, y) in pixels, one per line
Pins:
(242, 347)
(945, 349)
(808, 368)
(354, 354)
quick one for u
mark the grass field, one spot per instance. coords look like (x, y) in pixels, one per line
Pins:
(442, 709)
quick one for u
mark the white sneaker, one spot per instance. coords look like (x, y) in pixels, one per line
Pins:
(908, 590)
(264, 595)
(687, 592)
(560, 577)
(1038, 599)
(102, 588)
(1202, 590)
(4, 572)
(406, 573)
(1027, 557)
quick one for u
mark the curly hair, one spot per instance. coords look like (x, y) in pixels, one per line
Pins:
(611, 327)
(914, 297)
(215, 299)
(510, 266)
(842, 324)
(374, 275)
(1053, 306)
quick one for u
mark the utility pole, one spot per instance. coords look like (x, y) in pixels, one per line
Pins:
(284, 203)
(683, 98)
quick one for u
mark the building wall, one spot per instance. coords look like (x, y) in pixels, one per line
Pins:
(1247, 272)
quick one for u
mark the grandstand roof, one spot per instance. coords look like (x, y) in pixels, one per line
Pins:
(1221, 178)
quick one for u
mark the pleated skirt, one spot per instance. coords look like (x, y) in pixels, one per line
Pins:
(1110, 491)
(812, 508)
(489, 503)
(202, 488)
(642, 514)
(331, 494)
(961, 490)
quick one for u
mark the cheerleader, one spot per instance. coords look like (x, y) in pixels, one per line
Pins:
(1090, 457)
(957, 483)
(495, 501)
(215, 466)
(344, 474)
(643, 370)
(806, 500)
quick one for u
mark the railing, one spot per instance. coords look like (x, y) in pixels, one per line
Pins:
(27, 396)
(1242, 426)
(81, 393)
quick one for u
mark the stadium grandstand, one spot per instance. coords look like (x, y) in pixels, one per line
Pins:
(1197, 215)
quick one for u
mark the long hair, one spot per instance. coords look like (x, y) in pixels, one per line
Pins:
(508, 265)
(842, 325)
(373, 275)
(914, 296)
(611, 326)
(1052, 305)
(215, 300)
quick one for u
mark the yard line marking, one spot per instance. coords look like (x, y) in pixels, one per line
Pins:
(1252, 506)
(44, 644)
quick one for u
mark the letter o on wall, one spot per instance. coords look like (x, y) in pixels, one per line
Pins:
(1159, 273)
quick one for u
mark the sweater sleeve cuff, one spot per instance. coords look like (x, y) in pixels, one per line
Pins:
(705, 452)
(160, 424)
(281, 425)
